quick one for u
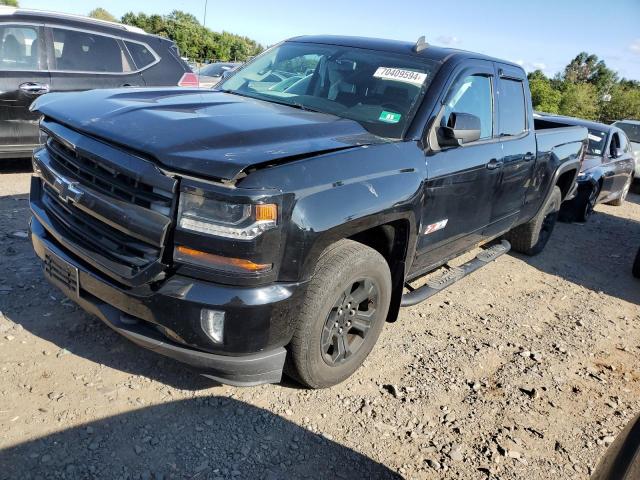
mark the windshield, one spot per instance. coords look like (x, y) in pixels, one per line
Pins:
(597, 142)
(632, 130)
(379, 90)
(216, 69)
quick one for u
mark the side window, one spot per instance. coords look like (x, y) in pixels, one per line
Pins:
(511, 107)
(624, 143)
(472, 95)
(614, 145)
(141, 54)
(19, 48)
(77, 51)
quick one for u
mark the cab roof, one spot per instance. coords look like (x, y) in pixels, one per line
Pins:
(431, 52)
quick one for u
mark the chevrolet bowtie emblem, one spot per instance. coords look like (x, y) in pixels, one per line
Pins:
(68, 191)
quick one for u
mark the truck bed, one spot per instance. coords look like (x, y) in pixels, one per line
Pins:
(550, 136)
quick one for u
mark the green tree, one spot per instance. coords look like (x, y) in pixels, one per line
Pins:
(579, 100)
(193, 39)
(102, 14)
(588, 68)
(544, 96)
(10, 3)
(624, 103)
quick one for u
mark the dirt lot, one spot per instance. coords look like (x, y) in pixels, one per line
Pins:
(526, 369)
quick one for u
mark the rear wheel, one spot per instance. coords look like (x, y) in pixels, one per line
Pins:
(530, 238)
(345, 308)
(623, 195)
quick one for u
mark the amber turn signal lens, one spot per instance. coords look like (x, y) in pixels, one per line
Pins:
(268, 211)
(238, 265)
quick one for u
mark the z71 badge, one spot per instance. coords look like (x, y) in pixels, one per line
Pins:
(436, 226)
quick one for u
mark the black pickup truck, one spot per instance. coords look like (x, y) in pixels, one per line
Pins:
(272, 224)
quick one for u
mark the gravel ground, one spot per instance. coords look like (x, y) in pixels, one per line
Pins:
(526, 369)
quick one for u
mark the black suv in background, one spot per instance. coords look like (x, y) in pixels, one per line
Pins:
(43, 52)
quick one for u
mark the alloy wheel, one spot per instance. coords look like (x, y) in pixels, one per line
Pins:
(349, 321)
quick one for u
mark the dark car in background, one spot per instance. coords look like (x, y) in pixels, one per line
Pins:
(607, 170)
(632, 129)
(43, 52)
(209, 75)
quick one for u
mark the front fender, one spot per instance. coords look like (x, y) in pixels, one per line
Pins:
(341, 194)
(343, 211)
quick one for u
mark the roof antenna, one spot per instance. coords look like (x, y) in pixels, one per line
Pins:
(420, 45)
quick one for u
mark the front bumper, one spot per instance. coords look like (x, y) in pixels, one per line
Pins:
(166, 318)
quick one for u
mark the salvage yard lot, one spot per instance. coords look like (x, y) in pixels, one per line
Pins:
(525, 369)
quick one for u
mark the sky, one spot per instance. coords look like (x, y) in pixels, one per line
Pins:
(543, 34)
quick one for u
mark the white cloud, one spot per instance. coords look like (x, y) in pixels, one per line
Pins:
(635, 46)
(449, 40)
(531, 66)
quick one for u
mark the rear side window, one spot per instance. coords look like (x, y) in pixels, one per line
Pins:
(472, 95)
(19, 48)
(141, 54)
(77, 51)
(624, 143)
(511, 107)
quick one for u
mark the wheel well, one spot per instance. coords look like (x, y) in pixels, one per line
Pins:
(391, 241)
(564, 182)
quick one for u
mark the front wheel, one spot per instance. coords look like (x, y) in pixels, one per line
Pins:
(530, 238)
(342, 315)
(580, 208)
(623, 195)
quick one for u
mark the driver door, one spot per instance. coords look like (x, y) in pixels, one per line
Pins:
(462, 180)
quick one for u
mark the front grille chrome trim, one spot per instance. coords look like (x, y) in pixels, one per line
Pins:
(110, 208)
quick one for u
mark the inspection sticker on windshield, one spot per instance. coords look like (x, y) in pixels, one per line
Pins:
(389, 117)
(400, 75)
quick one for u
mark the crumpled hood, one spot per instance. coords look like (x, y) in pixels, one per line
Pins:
(202, 132)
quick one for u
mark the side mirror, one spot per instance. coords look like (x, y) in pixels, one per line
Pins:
(618, 152)
(226, 74)
(461, 128)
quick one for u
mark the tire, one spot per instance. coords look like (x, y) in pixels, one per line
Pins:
(530, 238)
(636, 265)
(623, 195)
(322, 335)
(581, 207)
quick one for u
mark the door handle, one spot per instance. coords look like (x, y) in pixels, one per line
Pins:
(528, 156)
(33, 88)
(493, 164)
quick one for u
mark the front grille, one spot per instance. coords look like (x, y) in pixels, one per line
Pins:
(106, 179)
(110, 208)
(95, 235)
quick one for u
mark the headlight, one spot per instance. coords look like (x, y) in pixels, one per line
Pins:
(223, 219)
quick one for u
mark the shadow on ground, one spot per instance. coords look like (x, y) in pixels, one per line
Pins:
(207, 437)
(597, 255)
